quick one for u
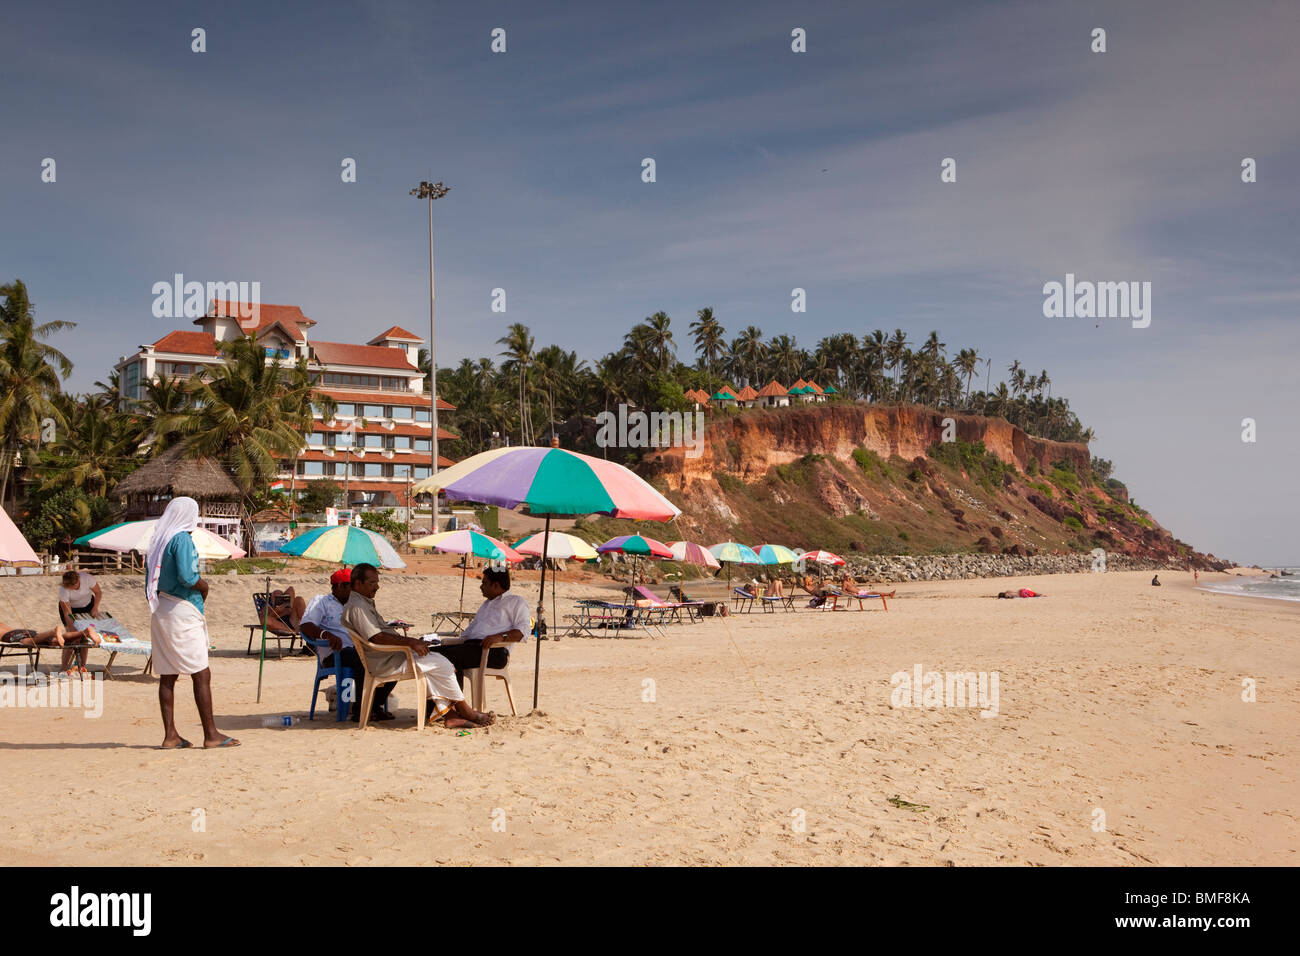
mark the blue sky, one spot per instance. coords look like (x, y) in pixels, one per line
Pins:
(775, 170)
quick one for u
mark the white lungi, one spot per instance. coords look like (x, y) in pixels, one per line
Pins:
(180, 637)
(438, 672)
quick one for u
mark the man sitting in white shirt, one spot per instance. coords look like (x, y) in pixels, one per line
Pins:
(323, 621)
(504, 619)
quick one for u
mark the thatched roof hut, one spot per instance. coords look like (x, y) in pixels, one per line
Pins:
(148, 489)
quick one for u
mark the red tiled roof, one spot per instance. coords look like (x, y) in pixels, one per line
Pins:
(800, 384)
(773, 389)
(418, 431)
(747, 394)
(366, 356)
(396, 332)
(187, 343)
(386, 398)
(814, 386)
(289, 316)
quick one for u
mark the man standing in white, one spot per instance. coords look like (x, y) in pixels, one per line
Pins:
(504, 619)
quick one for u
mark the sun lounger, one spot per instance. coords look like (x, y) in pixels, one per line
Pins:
(859, 596)
(116, 640)
(674, 609)
(745, 599)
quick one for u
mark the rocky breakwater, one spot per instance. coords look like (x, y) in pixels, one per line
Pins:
(949, 567)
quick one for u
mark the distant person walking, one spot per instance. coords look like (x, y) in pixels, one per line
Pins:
(179, 631)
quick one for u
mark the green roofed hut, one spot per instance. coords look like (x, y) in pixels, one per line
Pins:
(725, 398)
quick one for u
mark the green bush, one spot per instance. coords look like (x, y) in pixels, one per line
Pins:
(1031, 469)
(383, 522)
(1073, 524)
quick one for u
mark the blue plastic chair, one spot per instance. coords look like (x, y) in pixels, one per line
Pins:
(323, 673)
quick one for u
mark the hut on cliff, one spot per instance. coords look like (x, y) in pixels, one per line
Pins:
(773, 395)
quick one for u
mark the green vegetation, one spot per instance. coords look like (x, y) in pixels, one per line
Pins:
(1043, 487)
(1073, 523)
(248, 566)
(984, 468)
(384, 523)
(59, 517)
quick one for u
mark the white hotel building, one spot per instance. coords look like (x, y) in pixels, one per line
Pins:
(378, 389)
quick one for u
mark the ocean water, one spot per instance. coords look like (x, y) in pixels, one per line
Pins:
(1279, 588)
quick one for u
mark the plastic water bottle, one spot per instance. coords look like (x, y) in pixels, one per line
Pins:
(285, 721)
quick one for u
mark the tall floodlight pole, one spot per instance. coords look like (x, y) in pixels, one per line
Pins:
(432, 191)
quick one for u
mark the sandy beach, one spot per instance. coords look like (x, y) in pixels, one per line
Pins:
(770, 739)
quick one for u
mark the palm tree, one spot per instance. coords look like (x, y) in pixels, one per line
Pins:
(783, 359)
(660, 338)
(91, 452)
(518, 342)
(895, 352)
(750, 351)
(871, 359)
(966, 363)
(709, 341)
(249, 414)
(30, 376)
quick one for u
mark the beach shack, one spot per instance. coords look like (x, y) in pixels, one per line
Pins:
(145, 493)
(747, 397)
(724, 398)
(813, 389)
(773, 395)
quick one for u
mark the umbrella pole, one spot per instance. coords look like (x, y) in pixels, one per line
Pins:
(262, 660)
(541, 608)
(464, 567)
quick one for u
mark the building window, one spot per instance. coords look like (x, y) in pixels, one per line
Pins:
(313, 468)
(402, 441)
(420, 471)
(402, 413)
(372, 411)
(372, 441)
(423, 415)
(424, 444)
(374, 471)
(278, 353)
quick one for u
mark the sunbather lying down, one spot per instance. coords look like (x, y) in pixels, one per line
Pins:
(286, 611)
(1023, 592)
(56, 637)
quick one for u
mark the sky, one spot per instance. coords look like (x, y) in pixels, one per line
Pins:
(774, 170)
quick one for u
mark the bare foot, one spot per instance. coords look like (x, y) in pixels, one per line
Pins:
(175, 743)
(484, 720)
(456, 723)
(210, 743)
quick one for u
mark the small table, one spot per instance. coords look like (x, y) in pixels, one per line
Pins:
(455, 620)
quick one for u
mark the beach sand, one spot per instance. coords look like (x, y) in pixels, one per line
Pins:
(1113, 696)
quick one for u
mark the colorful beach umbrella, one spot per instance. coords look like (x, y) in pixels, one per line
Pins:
(85, 538)
(551, 481)
(733, 552)
(688, 552)
(465, 541)
(556, 545)
(775, 554)
(136, 536)
(822, 557)
(344, 544)
(636, 544)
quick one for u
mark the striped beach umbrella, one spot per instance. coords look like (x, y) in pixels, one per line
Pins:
(136, 536)
(467, 542)
(688, 552)
(733, 552)
(557, 545)
(822, 557)
(344, 544)
(550, 481)
(638, 545)
(775, 554)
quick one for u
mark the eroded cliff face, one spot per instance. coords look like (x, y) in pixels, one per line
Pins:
(747, 445)
(792, 476)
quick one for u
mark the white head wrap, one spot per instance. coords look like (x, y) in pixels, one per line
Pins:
(181, 517)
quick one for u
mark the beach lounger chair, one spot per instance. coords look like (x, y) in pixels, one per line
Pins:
(745, 600)
(116, 640)
(279, 636)
(860, 596)
(371, 680)
(477, 675)
(338, 671)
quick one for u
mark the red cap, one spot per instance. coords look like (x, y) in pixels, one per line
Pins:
(341, 576)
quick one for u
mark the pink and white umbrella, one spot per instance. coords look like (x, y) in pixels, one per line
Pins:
(688, 552)
(822, 557)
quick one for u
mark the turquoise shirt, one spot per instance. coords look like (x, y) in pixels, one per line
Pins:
(180, 570)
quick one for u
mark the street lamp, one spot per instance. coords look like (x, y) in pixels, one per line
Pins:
(432, 191)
